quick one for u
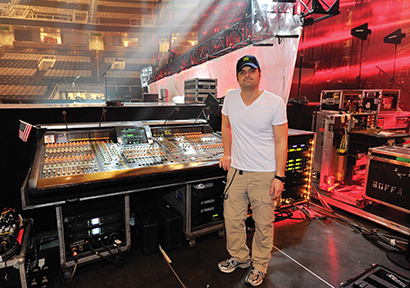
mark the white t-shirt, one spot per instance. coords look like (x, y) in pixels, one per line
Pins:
(253, 142)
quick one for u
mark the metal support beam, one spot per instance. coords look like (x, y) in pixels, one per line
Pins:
(234, 37)
(241, 33)
(319, 10)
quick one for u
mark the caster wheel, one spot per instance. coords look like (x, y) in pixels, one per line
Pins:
(66, 273)
(221, 233)
(192, 243)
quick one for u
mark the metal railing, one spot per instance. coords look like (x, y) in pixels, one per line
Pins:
(68, 15)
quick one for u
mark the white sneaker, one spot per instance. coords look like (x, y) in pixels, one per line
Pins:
(254, 277)
(229, 265)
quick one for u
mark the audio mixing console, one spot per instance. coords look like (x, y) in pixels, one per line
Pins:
(71, 164)
(70, 158)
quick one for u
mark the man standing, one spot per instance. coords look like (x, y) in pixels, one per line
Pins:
(254, 135)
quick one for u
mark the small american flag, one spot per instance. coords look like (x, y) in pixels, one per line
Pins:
(24, 130)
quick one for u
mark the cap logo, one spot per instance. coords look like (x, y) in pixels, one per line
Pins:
(246, 58)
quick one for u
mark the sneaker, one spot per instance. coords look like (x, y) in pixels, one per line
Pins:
(229, 265)
(254, 277)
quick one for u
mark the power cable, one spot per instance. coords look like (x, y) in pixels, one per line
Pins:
(383, 239)
(116, 261)
(70, 278)
(168, 260)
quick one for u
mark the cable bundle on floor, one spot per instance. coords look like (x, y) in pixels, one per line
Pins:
(385, 240)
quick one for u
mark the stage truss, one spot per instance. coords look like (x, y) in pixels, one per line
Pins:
(261, 20)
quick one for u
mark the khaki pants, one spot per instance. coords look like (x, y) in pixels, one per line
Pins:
(253, 187)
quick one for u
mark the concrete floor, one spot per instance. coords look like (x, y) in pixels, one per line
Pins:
(307, 253)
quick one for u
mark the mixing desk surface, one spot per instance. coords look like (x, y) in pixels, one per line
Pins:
(81, 163)
(72, 158)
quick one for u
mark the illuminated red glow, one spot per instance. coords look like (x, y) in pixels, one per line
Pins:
(332, 37)
(333, 257)
(368, 69)
(328, 38)
(346, 4)
(298, 8)
(337, 54)
(379, 16)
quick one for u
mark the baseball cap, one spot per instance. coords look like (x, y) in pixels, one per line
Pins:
(247, 60)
